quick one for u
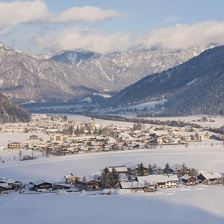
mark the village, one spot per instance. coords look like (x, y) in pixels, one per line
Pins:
(59, 135)
(119, 179)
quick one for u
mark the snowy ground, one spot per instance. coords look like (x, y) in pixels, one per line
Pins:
(200, 157)
(201, 204)
(218, 120)
(196, 206)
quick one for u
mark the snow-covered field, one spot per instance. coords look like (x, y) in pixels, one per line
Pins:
(193, 205)
(218, 121)
(200, 157)
(200, 205)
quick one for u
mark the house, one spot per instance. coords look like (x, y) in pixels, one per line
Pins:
(135, 185)
(189, 180)
(210, 178)
(60, 186)
(140, 170)
(14, 185)
(180, 170)
(41, 186)
(123, 177)
(118, 169)
(205, 136)
(33, 137)
(71, 179)
(4, 188)
(15, 145)
(161, 181)
(58, 137)
(93, 185)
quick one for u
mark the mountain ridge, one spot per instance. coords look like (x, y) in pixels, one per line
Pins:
(28, 79)
(194, 87)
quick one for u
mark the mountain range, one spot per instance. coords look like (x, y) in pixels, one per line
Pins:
(194, 87)
(73, 75)
(183, 82)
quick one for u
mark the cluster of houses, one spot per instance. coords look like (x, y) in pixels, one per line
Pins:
(66, 136)
(118, 178)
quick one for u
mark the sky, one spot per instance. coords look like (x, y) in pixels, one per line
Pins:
(104, 26)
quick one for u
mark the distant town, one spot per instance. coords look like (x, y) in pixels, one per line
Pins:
(64, 136)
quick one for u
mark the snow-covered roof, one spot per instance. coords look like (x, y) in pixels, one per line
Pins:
(119, 169)
(186, 177)
(132, 185)
(123, 177)
(175, 167)
(38, 182)
(210, 175)
(5, 185)
(5, 180)
(154, 179)
(69, 176)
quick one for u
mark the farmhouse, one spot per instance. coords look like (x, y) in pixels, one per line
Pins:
(15, 145)
(161, 181)
(71, 179)
(140, 170)
(14, 185)
(210, 178)
(134, 185)
(41, 186)
(93, 185)
(4, 188)
(33, 137)
(60, 186)
(189, 180)
(58, 137)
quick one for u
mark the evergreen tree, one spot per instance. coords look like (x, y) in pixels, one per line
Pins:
(114, 177)
(129, 173)
(140, 170)
(109, 179)
(150, 169)
(167, 169)
(105, 178)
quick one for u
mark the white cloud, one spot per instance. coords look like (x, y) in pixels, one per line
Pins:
(177, 37)
(180, 36)
(85, 39)
(86, 13)
(184, 36)
(17, 12)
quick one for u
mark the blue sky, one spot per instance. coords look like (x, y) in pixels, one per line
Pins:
(130, 21)
(144, 15)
